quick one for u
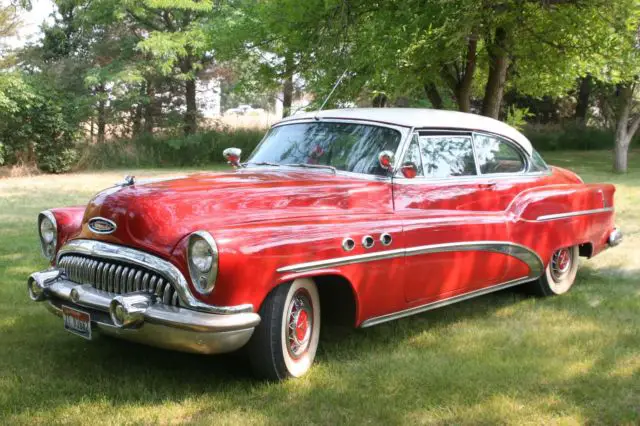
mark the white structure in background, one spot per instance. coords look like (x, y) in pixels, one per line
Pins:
(208, 97)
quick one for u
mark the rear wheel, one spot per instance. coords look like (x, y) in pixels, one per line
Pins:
(560, 273)
(285, 343)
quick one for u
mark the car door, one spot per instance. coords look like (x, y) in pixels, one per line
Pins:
(447, 215)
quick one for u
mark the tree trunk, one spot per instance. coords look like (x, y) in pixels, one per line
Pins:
(626, 127)
(190, 118)
(433, 95)
(463, 92)
(102, 119)
(287, 86)
(149, 111)
(582, 106)
(498, 64)
(379, 101)
(287, 96)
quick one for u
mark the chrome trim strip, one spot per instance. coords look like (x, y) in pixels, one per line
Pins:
(166, 269)
(518, 251)
(440, 303)
(572, 214)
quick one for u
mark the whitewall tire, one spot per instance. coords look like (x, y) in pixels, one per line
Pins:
(560, 273)
(285, 343)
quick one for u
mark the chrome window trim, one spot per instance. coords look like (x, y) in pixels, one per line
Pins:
(399, 178)
(473, 150)
(519, 251)
(525, 158)
(556, 216)
(125, 254)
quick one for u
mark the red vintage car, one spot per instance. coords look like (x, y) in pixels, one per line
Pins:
(365, 214)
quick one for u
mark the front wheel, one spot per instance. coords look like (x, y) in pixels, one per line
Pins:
(560, 273)
(285, 342)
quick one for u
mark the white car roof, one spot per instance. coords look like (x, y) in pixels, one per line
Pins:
(422, 118)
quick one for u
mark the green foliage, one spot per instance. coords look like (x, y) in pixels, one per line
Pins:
(196, 150)
(571, 137)
(35, 124)
(517, 117)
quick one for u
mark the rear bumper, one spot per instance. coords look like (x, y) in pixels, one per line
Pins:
(137, 316)
(615, 238)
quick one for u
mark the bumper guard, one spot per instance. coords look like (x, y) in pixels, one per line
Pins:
(137, 316)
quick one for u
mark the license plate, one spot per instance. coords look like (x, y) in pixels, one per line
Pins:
(77, 322)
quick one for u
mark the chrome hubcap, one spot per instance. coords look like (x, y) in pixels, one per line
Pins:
(560, 264)
(299, 323)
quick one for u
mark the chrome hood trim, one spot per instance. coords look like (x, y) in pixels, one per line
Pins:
(141, 258)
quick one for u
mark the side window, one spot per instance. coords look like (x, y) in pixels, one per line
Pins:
(446, 156)
(412, 157)
(495, 155)
(537, 163)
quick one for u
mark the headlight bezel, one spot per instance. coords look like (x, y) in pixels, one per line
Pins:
(203, 281)
(48, 248)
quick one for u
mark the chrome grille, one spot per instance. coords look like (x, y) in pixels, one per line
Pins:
(118, 277)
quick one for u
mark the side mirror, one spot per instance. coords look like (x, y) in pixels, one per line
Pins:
(232, 155)
(409, 170)
(386, 159)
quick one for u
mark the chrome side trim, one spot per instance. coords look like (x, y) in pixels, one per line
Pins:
(167, 269)
(572, 214)
(440, 303)
(518, 251)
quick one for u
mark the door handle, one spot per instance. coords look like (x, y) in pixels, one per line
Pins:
(488, 185)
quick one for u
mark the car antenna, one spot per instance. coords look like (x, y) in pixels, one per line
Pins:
(329, 95)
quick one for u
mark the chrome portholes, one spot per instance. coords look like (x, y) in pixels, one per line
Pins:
(348, 244)
(385, 239)
(368, 241)
(525, 254)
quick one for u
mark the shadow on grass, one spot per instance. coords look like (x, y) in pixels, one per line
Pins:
(477, 361)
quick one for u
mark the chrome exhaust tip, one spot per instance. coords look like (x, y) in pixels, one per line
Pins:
(615, 238)
(128, 311)
(39, 281)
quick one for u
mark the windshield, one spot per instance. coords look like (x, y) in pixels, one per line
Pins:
(346, 146)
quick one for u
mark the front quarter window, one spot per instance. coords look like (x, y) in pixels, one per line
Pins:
(349, 147)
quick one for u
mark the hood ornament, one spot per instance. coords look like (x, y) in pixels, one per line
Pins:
(128, 181)
(100, 225)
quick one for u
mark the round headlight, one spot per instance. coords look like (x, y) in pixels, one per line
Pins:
(48, 230)
(202, 256)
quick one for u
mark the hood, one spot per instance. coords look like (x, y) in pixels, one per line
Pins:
(156, 215)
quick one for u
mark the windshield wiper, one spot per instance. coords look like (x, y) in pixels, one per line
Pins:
(261, 163)
(312, 166)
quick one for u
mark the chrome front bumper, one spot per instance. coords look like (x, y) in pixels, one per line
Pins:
(137, 317)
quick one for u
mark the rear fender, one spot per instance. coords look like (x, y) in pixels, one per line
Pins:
(552, 217)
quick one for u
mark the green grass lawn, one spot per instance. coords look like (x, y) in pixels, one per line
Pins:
(501, 358)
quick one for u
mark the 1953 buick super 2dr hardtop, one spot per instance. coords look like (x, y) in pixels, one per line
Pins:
(368, 214)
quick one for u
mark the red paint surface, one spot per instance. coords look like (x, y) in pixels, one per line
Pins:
(266, 219)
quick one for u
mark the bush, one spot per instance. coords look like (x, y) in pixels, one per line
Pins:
(169, 150)
(570, 137)
(35, 125)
